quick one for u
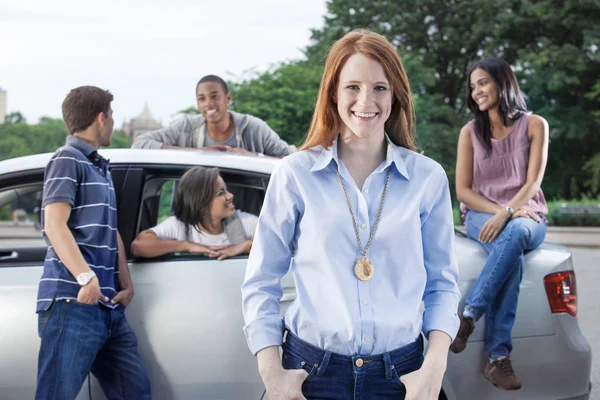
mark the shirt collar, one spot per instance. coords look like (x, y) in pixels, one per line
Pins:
(393, 157)
(80, 145)
(88, 150)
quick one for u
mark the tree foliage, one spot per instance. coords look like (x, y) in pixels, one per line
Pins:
(552, 46)
(20, 139)
(283, 96)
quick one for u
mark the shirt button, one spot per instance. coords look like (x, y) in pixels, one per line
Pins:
(364, 226)
(366, 190)
(359, 362)
(365, 302)
(367, 340)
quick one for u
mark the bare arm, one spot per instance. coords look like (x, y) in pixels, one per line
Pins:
(464, 177)
(281, 384)
(56, 216)
(539, 136)
(124, 275)
(437, 351)
(426, 382)
(269, 360)
(125, 294)
(148, 244)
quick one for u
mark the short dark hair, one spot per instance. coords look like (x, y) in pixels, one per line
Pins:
(215, 79)
(195, 191)
(511, 103)
(82, 105)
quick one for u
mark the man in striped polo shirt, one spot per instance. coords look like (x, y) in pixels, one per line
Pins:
(86, 283)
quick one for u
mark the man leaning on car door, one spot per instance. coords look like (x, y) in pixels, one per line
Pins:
(86, 284)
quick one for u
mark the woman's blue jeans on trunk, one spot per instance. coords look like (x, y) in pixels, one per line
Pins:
(496, 290)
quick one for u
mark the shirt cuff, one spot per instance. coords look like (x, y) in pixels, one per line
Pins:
(58, 199)
(264, 332)
(443, 315)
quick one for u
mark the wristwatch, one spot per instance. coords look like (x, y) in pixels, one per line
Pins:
(510, 210)
(85, 277)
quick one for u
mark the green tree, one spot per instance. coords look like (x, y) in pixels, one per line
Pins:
(20, 139)
(190, 110)
(283, 96)
(15, 118)
(553, 48)
(120, 140)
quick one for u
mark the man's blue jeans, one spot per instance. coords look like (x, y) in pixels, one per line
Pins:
(496, 291)
(334, 376)
(77, 338)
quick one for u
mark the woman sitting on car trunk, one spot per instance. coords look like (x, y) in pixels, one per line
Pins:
(205, 221)
(502, 155)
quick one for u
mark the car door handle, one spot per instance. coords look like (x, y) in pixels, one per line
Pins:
(8, 255)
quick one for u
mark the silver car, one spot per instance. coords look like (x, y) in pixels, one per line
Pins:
(187, 308)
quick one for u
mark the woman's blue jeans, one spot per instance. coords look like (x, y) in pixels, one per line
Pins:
(334, 376)
(496, 290)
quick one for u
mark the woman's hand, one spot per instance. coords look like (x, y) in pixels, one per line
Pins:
(233, 250)
(424, 383)
(525, 212)
(493, 226)
(199, 249)
(285, 384)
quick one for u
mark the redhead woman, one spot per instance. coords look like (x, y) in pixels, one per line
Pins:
(502, 155)
(365, 224)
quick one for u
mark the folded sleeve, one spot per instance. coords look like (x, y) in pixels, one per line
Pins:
(170, 136)
(269, 261)
(441, 296)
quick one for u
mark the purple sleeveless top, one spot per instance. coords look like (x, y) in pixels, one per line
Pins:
(503, 173)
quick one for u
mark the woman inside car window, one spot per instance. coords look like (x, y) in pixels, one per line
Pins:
(205, 221)
(502, 155)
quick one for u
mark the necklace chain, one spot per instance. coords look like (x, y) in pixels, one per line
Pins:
(363, 253)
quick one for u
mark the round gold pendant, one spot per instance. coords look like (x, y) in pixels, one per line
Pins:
(363, 269)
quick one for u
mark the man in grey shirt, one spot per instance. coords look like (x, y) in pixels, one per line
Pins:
(217, 128)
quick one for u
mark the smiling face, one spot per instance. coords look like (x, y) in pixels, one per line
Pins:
(221, 206)
(484, 90)
(212, 101)
(363, 97)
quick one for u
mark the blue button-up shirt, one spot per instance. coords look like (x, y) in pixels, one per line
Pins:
(305, 225)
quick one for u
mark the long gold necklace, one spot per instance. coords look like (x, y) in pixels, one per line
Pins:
(363, 269)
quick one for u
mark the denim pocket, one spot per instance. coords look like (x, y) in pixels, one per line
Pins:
(44, 317)
(78, 303)
(290, 361)
(407, 366)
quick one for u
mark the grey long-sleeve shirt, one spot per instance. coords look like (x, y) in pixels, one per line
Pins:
(252, 134)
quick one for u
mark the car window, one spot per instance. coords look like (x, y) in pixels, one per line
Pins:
(246, 197)
(159, 194)
(20, 211)
(165, 202)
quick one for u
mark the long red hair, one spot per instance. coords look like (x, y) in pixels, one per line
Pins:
(326, 122)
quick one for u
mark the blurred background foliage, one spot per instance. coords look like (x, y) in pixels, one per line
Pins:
(553, 47)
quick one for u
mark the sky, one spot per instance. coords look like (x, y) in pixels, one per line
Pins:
(142, 50)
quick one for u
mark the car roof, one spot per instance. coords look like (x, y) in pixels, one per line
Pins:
(251, 163)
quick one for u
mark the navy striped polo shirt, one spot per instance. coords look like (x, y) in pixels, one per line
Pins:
(78, 175)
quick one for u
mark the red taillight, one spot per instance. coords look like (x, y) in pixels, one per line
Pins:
(561, 289)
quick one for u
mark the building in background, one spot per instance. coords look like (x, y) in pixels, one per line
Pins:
(3, 96)
(143, 123)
